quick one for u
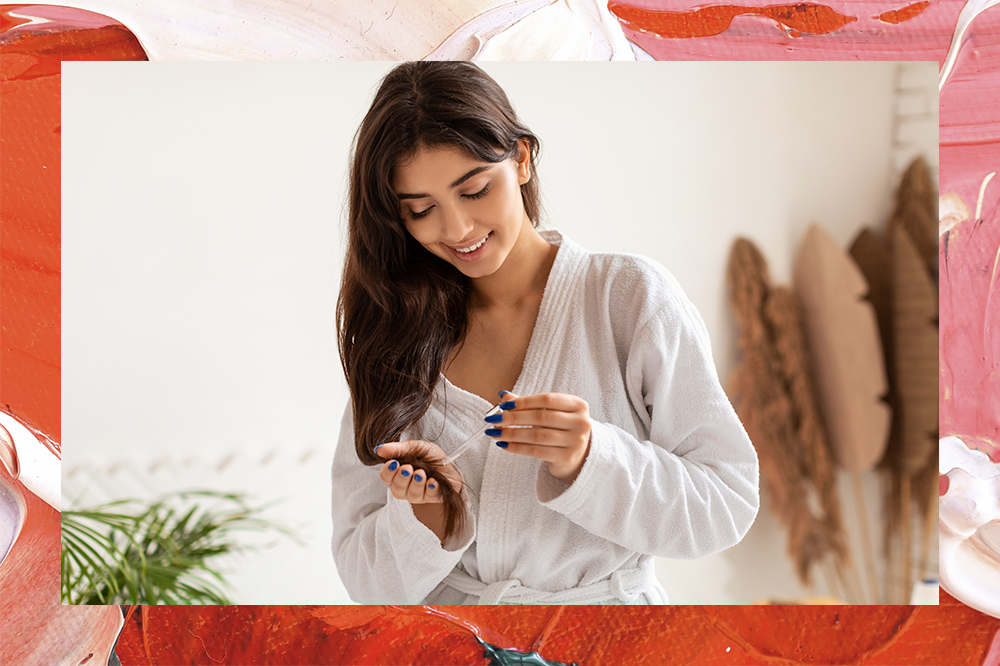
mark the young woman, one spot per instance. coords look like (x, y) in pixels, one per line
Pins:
(616, 442)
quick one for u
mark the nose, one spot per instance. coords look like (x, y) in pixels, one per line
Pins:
(455, 225)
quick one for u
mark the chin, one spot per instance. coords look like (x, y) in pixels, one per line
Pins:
(477, 271)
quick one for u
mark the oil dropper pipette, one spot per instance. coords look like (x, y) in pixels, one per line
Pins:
(469, 442)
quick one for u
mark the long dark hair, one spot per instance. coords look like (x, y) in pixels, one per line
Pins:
(402, 310)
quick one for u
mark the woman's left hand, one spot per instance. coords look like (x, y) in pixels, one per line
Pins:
(559, 432)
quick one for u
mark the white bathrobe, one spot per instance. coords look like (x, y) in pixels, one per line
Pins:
(670, 472)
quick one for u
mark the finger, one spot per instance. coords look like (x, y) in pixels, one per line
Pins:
(390, 450)
(401, 483)
(536, 436)
(388, 472)
(507, 400)
(562, 402)
(433, 492)
(541, 452)
(510, 410)
(541, 418)
(415, 493)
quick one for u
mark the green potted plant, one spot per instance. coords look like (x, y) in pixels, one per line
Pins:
(159, 551)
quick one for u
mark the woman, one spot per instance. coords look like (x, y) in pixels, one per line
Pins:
(616, 443)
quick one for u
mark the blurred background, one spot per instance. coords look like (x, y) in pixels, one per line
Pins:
(203, 233)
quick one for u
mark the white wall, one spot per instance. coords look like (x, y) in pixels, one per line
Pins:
(202, 240)
(915, 126)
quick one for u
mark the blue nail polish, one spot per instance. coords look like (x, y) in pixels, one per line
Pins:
(393, 465)
(405, 473)
(507, 405)
(502, 393)
(494, 418)
(375, 450)
(418, 478)
(502, 445)
(431, 486)
(494, 432)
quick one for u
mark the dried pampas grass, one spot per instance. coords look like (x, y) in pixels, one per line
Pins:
(902, 269)
(815, 464)
(904, 265)
(773, 394)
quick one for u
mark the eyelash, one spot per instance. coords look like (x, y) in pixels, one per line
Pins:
(414, 215)
(480, 194)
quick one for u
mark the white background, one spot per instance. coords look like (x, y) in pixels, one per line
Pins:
(203, 226)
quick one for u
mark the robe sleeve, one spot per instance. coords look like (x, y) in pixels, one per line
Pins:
(691, 488)
(383, 553)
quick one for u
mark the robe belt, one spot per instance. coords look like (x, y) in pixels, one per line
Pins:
(624, 585)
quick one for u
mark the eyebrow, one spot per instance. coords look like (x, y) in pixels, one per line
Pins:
(467, 176)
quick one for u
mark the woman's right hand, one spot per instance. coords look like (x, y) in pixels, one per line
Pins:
(410, 481)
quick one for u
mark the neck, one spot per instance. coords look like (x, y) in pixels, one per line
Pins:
(522, 276)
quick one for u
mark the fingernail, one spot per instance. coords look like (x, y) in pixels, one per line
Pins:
(417, 478)
(503, 393)
(405, 473)
(507, 405)
(431, 486)
(393, 465)
(502, 445)
(494, 418)
(376, 447)
(493, 432)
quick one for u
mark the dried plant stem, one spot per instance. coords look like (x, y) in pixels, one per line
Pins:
(907, 573)
(866, 541)
(831, 580)
(852, 583)
(845, 577)
(930, 529)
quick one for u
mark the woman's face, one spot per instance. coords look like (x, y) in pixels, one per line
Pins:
(469, 213)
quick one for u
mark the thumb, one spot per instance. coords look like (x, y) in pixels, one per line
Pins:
(390, 450)
(506, 396)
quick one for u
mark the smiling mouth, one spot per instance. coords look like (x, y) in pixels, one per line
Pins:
(472, 248)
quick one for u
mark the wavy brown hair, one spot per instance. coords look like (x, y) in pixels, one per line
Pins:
(402, 310)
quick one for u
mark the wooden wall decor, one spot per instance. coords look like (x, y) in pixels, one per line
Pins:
(849, 368)
(843, 336)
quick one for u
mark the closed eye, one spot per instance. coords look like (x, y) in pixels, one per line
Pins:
(416, 215)
(478, 195)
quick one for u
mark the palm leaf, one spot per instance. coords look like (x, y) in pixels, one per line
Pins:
(155, 551)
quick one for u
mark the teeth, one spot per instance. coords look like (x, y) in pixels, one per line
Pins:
(474, 247)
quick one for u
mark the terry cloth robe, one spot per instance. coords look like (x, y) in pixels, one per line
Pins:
(670, 471)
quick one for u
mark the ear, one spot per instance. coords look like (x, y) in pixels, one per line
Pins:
(523, 161)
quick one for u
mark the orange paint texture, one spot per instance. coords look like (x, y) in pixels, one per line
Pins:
(904, 14)
(29, 386)
(35, 627)
(796, 19)
(590, 635)
(30, 62)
